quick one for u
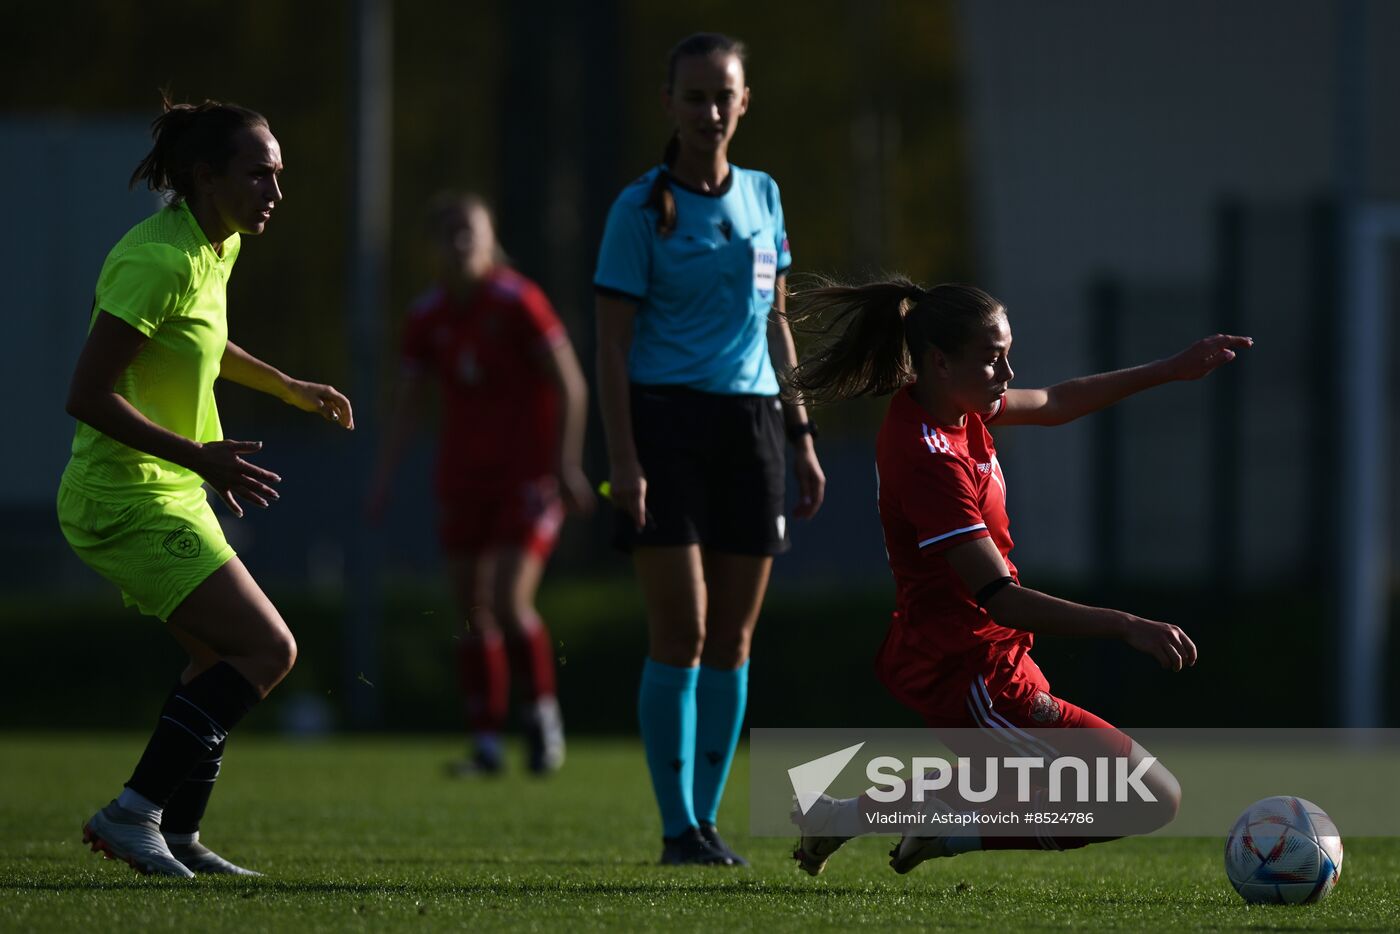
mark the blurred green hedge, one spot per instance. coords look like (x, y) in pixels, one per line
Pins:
(1267, 659)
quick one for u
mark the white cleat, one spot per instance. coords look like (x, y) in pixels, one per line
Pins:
(910, 851)
(544, 734)
(117, 833)
(199, 859)
(821, 834)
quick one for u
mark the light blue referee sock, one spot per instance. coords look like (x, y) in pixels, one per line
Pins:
(666, 711)
(721, 697)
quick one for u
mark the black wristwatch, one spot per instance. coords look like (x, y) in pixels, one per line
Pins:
(797, 430)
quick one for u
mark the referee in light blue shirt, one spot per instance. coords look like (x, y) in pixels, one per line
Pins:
(705, 292)
(690, 272)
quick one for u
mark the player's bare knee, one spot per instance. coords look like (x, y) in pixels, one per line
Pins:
(1169, 794)
(1167, 791)
(676, 658)
(514, 621)
(677, 642)
(277, 657)
(288, 655)
(482, 626)
(480, 619)
(678, 650)
(725, 657)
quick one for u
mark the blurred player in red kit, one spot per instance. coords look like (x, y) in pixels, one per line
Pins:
(510, 440)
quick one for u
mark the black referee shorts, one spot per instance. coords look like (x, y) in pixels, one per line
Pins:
(714, 467)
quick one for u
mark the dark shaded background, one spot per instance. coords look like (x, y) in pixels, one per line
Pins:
(1038, 151)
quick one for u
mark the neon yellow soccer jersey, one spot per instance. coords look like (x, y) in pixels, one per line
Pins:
(164, 279)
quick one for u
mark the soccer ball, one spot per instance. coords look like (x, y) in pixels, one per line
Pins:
(1283, 850)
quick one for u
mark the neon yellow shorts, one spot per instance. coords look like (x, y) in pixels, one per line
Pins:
(157, 550)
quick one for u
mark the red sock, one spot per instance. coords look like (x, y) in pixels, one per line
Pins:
(532, 658)
(484, 680)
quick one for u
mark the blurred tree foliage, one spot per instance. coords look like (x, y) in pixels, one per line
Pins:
(548, 107)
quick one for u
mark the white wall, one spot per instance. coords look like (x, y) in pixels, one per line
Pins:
(1103, 135)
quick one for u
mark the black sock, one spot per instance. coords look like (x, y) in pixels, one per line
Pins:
(186, 806)
(192, 727)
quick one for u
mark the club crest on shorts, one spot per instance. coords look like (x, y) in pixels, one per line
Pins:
(1044, 708)
(182, 543)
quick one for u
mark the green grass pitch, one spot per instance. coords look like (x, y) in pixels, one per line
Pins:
(369, 834)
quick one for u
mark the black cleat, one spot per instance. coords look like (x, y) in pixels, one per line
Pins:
(200, 860)
(716, 842)
(910, 851)
(689, 848)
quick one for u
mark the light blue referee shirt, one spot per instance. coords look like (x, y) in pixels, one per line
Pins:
(703, 293)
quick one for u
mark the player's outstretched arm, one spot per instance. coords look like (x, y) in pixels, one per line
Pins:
(980, 567)
(1074, 398)
(239, 366)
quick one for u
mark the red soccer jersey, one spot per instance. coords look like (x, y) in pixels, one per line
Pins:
(500, 411)
(941, 486)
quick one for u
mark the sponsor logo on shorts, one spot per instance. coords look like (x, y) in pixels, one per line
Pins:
(1044, 708)
(182, 543)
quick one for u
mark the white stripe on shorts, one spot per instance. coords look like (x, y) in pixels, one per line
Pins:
(979, 702)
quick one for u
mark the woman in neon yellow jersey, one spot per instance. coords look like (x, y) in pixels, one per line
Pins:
(132, 502)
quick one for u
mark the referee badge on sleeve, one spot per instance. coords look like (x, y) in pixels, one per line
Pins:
(765, 270)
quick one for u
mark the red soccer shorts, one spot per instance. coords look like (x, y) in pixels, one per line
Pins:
(1024, 704)
(526, 516)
